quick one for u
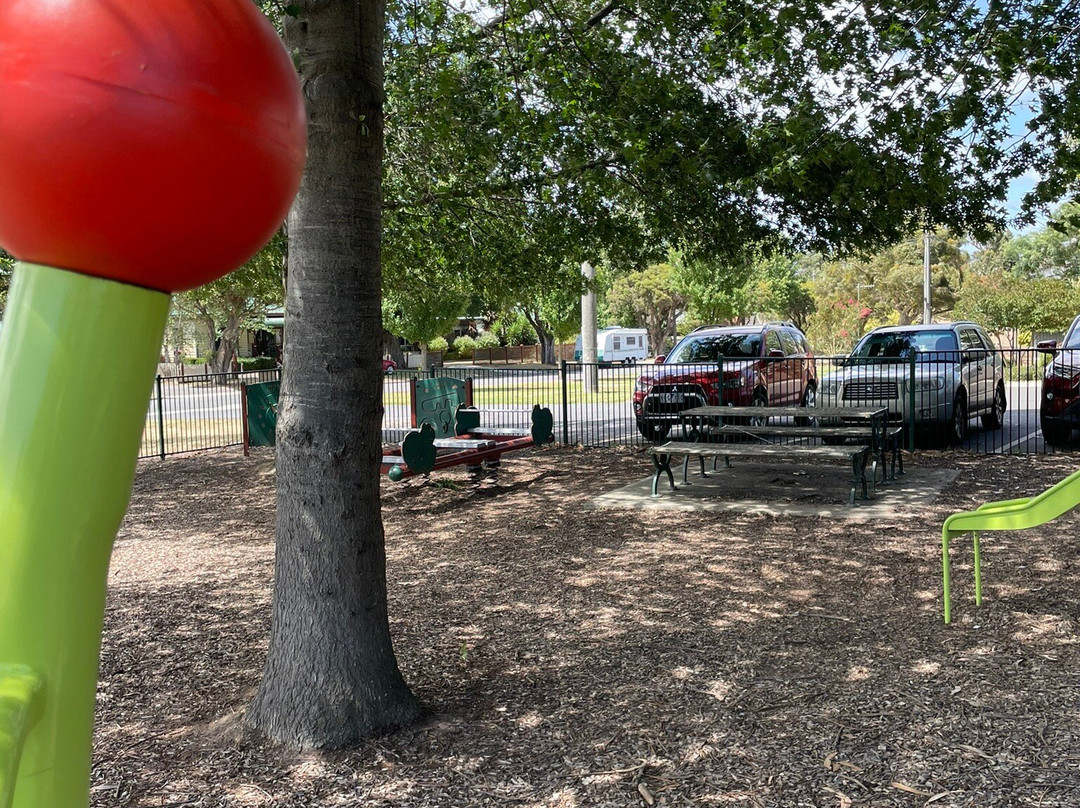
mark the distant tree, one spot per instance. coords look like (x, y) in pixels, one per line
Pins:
(237, 301)
(781, 291)
(648, 298)
(889, 283)
(999, 301)
(1051, 251)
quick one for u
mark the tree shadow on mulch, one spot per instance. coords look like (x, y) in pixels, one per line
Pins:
(570, 657)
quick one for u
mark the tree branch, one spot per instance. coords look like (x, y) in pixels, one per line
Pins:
(602, 14)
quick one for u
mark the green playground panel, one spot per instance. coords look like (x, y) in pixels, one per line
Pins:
(261, 401)
(436, 402)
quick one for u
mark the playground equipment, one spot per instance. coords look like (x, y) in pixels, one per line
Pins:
(1009, 514)
(447, 431)
(146, 148)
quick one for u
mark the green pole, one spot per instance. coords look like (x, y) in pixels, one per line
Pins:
(77, 362)
(911, 402)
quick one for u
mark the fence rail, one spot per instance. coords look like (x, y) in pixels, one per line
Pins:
(595, 405)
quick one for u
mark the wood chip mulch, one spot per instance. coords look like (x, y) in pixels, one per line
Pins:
(570, 657)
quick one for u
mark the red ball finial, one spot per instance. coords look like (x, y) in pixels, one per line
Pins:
(156, 142)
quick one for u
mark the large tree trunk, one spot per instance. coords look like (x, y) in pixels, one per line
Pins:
(331, 677)
(392, 348)
(545, 337)
(228, 344)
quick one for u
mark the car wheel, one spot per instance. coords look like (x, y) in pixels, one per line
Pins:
(992, 419)
(1055, 433)
(759, 400)
(809, 399)
(958, 429)
(653, 431)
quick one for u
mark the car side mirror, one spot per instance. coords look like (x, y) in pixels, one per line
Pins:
(972, 355)
(1047, 346)
(659, 360)
(776, 353)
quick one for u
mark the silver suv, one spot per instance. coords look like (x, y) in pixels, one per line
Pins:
(958, 374)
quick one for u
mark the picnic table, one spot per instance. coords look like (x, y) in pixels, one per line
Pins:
(867, 427)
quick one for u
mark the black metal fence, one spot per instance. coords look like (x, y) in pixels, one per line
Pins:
(985, 402)
(197, 412)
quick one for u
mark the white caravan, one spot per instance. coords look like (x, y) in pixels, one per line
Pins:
(616, 344)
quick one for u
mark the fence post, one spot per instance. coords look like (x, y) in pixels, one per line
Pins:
(160, 419)
(565, 404)
(911, 402)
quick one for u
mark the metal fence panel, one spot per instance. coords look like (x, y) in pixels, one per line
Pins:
(605, 405)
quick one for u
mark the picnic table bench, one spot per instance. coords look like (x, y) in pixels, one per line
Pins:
(663, 454)
(706, 425)
(886, 453)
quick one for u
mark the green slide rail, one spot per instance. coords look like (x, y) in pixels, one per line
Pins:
(1009, 514)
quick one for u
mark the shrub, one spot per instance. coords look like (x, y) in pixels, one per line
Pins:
(487, 340)
(257, 362)
(464, 346)
(437, 344)
(194, 360)
(513, 328)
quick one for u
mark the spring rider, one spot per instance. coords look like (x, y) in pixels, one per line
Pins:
(146, 147)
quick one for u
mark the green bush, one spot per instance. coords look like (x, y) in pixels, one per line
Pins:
(512, 328)
(487, 340)
(257, 362)
(194, 360)
(437, 344)
(464, 346)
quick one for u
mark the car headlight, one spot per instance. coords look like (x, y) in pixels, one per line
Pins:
(929, 384)
(1057, 371)
(644, 384)
(829, 387)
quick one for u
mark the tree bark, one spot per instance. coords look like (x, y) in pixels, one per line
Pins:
(228, 345)
(392, 348)
(331, 677)
(544, 337)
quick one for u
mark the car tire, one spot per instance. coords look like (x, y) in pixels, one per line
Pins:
(809, 398)
(994, 418)
(958, 427)
(653, 432)
(1056, 434)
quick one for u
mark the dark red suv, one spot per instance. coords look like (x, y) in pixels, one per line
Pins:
(1059, 413)
(763, 365)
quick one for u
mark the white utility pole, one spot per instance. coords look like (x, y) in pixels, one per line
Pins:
(589, 375)
(926, 318)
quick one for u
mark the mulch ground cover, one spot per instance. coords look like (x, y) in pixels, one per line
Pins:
(572, 657)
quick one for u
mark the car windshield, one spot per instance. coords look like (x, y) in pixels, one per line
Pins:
(927, 346)
(716, 347)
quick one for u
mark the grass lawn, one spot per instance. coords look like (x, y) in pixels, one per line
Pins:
(190, 435)
(542, 391)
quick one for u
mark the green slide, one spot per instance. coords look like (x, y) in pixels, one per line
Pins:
(1009, 514)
